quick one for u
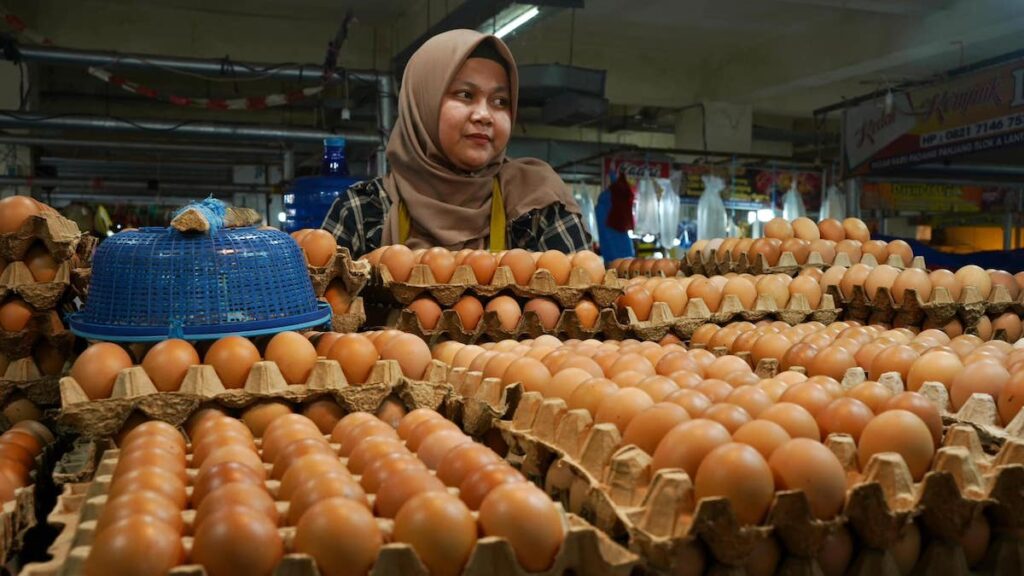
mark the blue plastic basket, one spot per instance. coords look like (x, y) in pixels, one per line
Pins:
(158, 283)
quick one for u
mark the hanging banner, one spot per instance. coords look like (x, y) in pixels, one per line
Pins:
(980, 111)
(933, 198)
(635, 169)
(753, 188)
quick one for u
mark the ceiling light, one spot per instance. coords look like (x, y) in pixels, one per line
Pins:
(510, 19)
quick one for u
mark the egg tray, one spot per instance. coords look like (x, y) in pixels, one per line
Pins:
(449, 327)
(585, 550)
(81, 272)
(19, 515)
(134, 391)
(787, 264)
(57, 233)
(352, 320)
(422, 283)
(41, 327)
(23, 377)
(354, 274)
(584, 466)
(17, 280)
(938, 311)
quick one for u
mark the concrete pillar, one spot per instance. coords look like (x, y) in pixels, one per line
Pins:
(727, 127)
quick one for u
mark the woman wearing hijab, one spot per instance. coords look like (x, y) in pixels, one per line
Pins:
(449, 182)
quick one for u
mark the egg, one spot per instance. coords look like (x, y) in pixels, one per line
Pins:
(985, 377)
(319, 246)
(557, 263)
(14, 210)
(232, 358)
(143, 503)
(521, 264)
(483, 265)
(844, 416)
(915, 279)
(622, 407)
(135, 545)
(638, 299)
(547, 311)
(97, 368)
(647, 429)
(167, 362)
(833, 362)
(811, 396)
(155, 480)
(920, 406)
(882, 276)
(1011, 397)
(441, 263)
(322, 487)
(832, 277)
(947, 280)
(972, 275)
(737, 472)
(794, 419)
(233, 453)
(591, 263)
(15, 315)
(778, 227)
(469, 310)
(18, 410)
(587, 312)
(775, 288)
(294, 356)
(803, 464)
(1010, 324)
(41, 263)
(427, 311)
(851, 248)
(462, 460)
(809, 288)
(242, 495)
(341, 535)
(762, 435)
(338, 297)
(237, 540)
(399, 260)
(402, 486)
(876, 248)
(743, 289)
(508, 312)
(856, 275)
(855, 229)
(357, 356)
(901, 432)
(831, 229)
(523, 515)
(324, 341)
(673, 295)
(768, 248)
(686, 445)
(901, 249)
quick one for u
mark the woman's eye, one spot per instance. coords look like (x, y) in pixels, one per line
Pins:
(501, 102)
(464, 94)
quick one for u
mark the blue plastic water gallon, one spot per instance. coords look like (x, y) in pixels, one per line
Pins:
(309, 198)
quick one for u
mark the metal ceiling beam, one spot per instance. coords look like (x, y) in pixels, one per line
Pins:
(137, 146)
(226, 131)
(112, 185)
(209, 66)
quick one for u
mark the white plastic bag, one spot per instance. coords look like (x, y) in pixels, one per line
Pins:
(587, 212)
(711, 217)
(834, 205)
(668, 214)
(646, 208)
(793, 204)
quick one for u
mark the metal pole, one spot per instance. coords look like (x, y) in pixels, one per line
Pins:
(385, 119)
(99, 185)
(150, 146)
(12, 119)
(288, 165)
(1008, 231)
(214, 67)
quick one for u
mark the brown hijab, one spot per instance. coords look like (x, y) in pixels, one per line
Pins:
(449, 207)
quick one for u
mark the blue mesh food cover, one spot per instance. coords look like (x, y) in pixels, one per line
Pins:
(158, 283)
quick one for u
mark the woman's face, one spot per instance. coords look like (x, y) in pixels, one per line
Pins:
(476, 117)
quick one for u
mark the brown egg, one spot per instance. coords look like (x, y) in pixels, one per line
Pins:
(591, 263)
(621, 407)
(427, 311)
(156, 480)
(651, 425)
(805, 229)
(833, 362)
(40, 263)
(778, 227)
(523, 515)
(947, 280)
(341, 535)
(259, 416)
(673, 295)
(463, 460)
(138, 544)
(325, 413)
(167, 362)
(833, 277)
(401, 486)
(851, 248)
(237, 540)
(972, 275)
(1011, 397)
(728, 415)
(800, 249)
(762, 435)
(587, 313)
(832, 229)
(322, 487)
(483, 265)
(97, 368)
(795, 419)
(508, 312)
(232, 358)
(915, 279)
(876, 248)
(872, 393)
(845, 416)
(901, 249)
(338, 297)
(825, 248)
(809, 288)
(803, 464)
(743, 289)
(808, 394)
(243, 495)
(324, 342)
(985, 377)
(521, 264)
(774, 287)
(857, 275)
(412, 354)
(294, 356)
(769, 248)
(901, 432)
(686, 445)
(922, 407)
(739, 473)
(856, 229)
(638, 299)
(882, 276)
(469, 309)
(1010, 324)
(142, 503)
(378, 471)
(434, 448)
(557, 263)
(589, 394)
(441, 263)
(399, 260)
(547, 311)
(14, 210)
(441, 551)
(298, 448)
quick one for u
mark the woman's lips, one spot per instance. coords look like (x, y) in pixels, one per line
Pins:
(479, 138)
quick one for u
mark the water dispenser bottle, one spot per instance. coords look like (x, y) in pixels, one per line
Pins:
(310, 197)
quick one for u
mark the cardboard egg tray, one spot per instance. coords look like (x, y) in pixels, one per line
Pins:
(17, 280)
(134, 391)
(81, 271)
(353, 273)
(422, 283)
(787, 264)
(19, 515)
(58, 234)
(939, 310)
(584, 465)
(352, 320)
(23, 376)
(449, 326)
(585, 550)
(44, 325)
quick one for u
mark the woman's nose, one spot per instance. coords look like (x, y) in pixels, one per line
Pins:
(481, 113)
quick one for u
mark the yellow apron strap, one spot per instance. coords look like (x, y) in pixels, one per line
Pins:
(497, 221)
(404, 223)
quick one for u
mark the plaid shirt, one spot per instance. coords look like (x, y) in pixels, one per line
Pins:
(356, 219)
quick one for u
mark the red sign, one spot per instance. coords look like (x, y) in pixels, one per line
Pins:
(634, 169)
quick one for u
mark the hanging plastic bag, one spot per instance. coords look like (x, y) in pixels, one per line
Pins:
(793, 203)
(834, 205)
(668, 214)
(711, 218)
(646, 208)
(587, 212)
